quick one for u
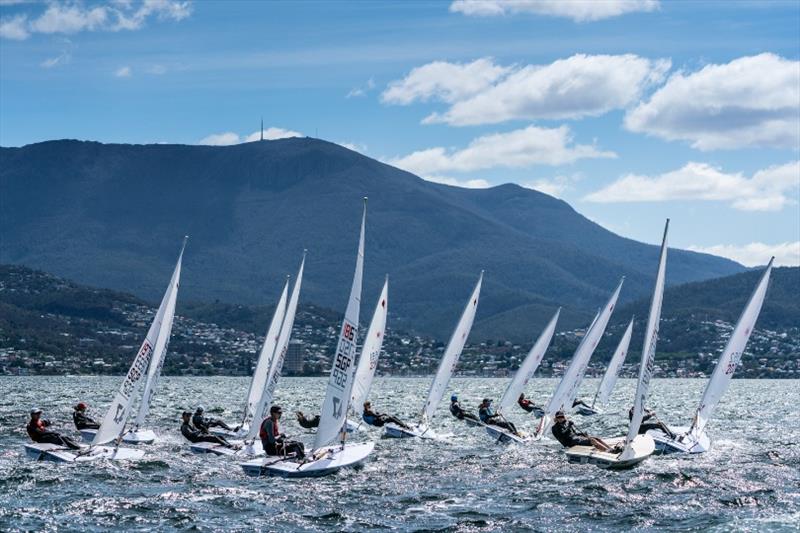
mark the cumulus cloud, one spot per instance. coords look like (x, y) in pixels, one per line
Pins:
(514, 149)
(751, 101)
(444, 81)
(69, 18)
(484, 93)
(766, 190)
(756, 253)
(454, 182)
(123, 72)
(556, 186)
(227, 138)
(577, 10)
(356, 147)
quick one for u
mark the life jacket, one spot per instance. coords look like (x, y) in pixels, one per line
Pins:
(262, 432)
(35, 428)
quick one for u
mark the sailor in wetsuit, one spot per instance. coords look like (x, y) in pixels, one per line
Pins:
(273, 441)
(488, 416)
(38, 432)
(306, 422)
(379, 419)
(195, 435)
(651, 421)
(204, 423)
(565, 432)
(457, 411)
(81, 419)
(576, 403)
(526, 404)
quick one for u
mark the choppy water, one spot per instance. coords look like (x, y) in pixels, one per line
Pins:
(750, 480)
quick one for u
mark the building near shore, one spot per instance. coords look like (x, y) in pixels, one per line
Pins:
(294, 357)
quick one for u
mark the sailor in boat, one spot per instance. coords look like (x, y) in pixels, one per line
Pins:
(487, 416)
(379, 419)
(580, 403)
(525, 403)
(568, 435)
(204, 423)
(193, 434)
(82, 420)
(457, 411)
(275, 442)
(306, 422)
(651, 421)
(38, 432)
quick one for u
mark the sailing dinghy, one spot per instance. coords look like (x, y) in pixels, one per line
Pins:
(636, 447)
(443, 374)
(112, 428)
(565, 392)
(695, 439)
(136, 434)
(521, 378)
(368, 361)
(265, 377)
(326, 458)
(610, 377)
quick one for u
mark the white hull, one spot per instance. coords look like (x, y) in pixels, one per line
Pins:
(142, 436)
(393, 431)
(247, 450)
(473, 423)
(62, 454)
(350, 426)
(503, 436)
(682, 443)
(586, 411)
(332, 459)
(242, 433)
(643, 447)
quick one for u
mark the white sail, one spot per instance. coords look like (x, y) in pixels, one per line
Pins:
(568, 387)
(265, 356)
(614, 366)
(731, 355)
(278, 355)
(340, 383)
(116, 417)
(529, 365)
(451, 354)
(162, 341)
(648, 351)
(370, 351)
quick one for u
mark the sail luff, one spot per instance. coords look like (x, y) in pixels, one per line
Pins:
(648, 350)
(371, 350)
(612, 372)
(279, 354)
(529, 365)
(451, 354)
(340, 383)
(261, 371)
(731, 355)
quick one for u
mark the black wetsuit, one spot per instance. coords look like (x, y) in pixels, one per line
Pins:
(275, 443)
(487, 417)
(307, 423)
(568, 436)
(379, 419)
(457, 411)
(82, 421)
(526, 404)
(205, 423)
(194, 435)
(576, 403)
(38, 433)
(648, 423)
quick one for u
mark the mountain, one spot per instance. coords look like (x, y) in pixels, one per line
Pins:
(113, 215)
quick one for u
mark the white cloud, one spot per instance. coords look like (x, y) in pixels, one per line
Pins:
(62, 59)
(514, 149)
(361, 90)
(577, 10)
(356, 147)
(15, 28)
(767, 190)
(156, 70)
(123, 72)
(69, 18)
(751, 101)
(454, 182)
(444, 81)
(756, 253)
(229, 137)
(556, 186)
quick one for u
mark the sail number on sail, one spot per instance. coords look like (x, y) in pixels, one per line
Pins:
(344, 355)
(137, 369)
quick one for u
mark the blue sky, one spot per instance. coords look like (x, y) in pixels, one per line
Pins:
(632, 111)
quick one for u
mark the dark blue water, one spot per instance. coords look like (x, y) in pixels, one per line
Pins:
(749, 481)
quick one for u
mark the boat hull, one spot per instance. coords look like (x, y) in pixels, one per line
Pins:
(246, 450)
(332, 459)
(683, 443)
(62, 454)
(141, 436)
(643, 447)
(393, 431)
(229, 434)
(586, 411)
(503, 436)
